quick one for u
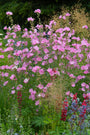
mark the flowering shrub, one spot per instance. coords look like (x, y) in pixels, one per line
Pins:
(76, 113)
(37, 57)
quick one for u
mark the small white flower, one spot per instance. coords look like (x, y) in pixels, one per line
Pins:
(39, 95)
(15, 118)
(21, 126)
(15, 67)
(1, 34)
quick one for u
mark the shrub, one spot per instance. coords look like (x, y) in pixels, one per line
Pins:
(42, 66)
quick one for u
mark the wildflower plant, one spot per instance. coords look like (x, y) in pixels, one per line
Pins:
(36, 60)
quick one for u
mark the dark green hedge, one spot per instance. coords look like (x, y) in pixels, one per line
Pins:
(22, 9)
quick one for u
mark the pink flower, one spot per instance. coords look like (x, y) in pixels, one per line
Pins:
(50, 60)
(44, 62)
(41, 71)
(26, 80)
(42, 94)
(68, 93)
(83, 84)
(46, 50)
(18, 43)
(72, 76)
(71, 95)
(45, 89)
(84, 67)
(32, 96)
(1, 56)
(52, 23)
(60, 16)
(5, 28)
(50, 71)
(0, 44)
(37, 11)
(64, 17)
(49, 84)
(13, 87)
(87, 86)
(66, 29)
(55, 57)
(40, 86)
(55, 47)
(9, 13)
(88, 94)
(30, 19)
(6, 74)
(5, 83)
(31, 90)
(36, 48)
(34, 69)
(46, 56)
(86, 72)
(73, 84)
(12, 77)
(67, 14)
(37, 102)
(82, 89)
(72, 62)
(84, 95)
(13, 92)
(8, 49)
(85, 26)
(35, 41)
(19, 87)
(39, 59)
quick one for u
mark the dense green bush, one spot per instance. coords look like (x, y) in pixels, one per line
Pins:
(24, 8)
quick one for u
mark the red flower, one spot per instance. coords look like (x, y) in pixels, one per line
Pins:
(84, 109)
(64, 110)
(75, 97)
(19, 97)
(84, 103)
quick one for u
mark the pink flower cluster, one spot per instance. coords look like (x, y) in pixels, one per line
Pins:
(9, 13)
(30, 19)
(32, 96)
(85, 26)
(64, 17)
(44, 55)
(52, 72)
(37, 11)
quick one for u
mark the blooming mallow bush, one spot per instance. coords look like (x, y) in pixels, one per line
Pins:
(37, 57)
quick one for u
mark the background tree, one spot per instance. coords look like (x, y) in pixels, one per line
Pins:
(22, 9)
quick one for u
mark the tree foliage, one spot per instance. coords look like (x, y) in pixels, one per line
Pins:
(24, 8)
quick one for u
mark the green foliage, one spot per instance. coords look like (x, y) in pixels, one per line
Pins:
(23, 9)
